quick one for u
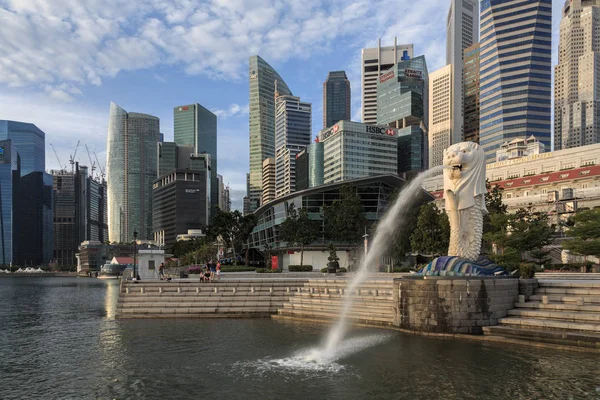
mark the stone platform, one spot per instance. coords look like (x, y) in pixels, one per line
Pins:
(440, 304)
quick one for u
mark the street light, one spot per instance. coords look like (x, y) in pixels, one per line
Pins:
(134, 254)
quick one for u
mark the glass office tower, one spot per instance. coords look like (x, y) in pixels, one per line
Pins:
(262, 122)
(515, 72)
(9, 190)
(336, 98)
(131, 164)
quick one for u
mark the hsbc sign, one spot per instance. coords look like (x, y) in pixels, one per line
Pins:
(380, 130)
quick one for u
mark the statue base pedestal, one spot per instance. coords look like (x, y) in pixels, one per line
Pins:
(447, 304)
(457, 266)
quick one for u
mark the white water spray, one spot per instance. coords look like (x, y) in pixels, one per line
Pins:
(380, 243)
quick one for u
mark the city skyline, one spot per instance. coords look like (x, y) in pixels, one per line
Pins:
(72, 104)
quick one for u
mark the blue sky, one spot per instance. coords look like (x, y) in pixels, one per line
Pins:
(63, 61)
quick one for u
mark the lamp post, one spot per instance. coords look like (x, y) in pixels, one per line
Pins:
(135, 254)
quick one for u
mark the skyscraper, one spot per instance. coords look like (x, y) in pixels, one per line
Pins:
(336, 98)
(131, 164)
(462, 30)
(79, 212)
(577, 76)
(268, 180)
(402, 103)
(262, 123)
(293, 129)
(375, 61)
(471, 94)
(34, 200)
(10, 175)
(196, 126)
(515, 72)
(441, 126)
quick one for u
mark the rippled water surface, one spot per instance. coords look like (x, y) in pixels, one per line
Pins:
(59, 340)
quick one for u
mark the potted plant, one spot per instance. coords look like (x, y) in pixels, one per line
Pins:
(333, 265)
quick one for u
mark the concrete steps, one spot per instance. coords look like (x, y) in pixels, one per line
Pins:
(560, 312)
(322, 301)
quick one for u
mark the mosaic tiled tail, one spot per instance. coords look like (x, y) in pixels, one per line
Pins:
(457, 266)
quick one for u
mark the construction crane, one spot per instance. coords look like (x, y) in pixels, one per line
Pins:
(72, 158)
(102, 174)
(58, 159)
(92, 163)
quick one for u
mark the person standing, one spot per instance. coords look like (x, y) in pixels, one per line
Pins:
(161, 271)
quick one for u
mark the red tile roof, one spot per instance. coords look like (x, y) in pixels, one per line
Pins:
(124, 260)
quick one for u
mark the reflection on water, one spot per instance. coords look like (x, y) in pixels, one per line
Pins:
(59, 339)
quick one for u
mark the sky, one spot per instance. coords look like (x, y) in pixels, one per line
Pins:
(63, 61)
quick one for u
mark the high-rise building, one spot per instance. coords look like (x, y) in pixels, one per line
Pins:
(471, 94)
(262, 122)
(441, 126)
(196, 126)
(10, 175)
(268, 175)
(293, 129)
(577, 76)
(226, 199)
(309, 166)
(131, 167)
(515, 72)
(221, 186)
(34, 204)
(167, 157)
(336, 98)
(353, 150)
(402, 103)
(79, 213)
(462, 31)
(181, 200)
(30, 143)
(375, 61)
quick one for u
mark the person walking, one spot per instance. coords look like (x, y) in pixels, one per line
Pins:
(161, 271)
(218, 274)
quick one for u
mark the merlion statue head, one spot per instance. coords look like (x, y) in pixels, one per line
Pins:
(464, 175)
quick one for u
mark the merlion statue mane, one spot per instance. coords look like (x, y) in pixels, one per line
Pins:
(464, 195)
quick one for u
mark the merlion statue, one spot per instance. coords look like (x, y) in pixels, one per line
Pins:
(464, 194)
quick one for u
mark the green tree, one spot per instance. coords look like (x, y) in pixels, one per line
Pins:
(585, 229)
(432, 234)
(496, 220)
(299, 230)
(233, 229)
(345, 219)
(540, 256)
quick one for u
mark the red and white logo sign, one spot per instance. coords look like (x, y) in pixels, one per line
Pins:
(336, 128)
(390, 132)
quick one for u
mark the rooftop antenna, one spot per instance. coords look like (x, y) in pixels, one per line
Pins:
(72, 158)
(92, 163)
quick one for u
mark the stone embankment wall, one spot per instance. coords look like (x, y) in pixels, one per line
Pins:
(452, 304)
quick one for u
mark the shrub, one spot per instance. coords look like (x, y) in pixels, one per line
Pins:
(267, 271)
(239, 268)
(343, 269)
(323, 270)
(527, 270)
(300, 268)
(402, 269)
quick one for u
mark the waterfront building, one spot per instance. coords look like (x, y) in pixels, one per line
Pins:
(471, 94)
(92, 255)
(336, 98)
(577, 76)
(131, 167)
(268, 175)
(34, 199)
(375, 61)
(262, 122)
(80, 212)
(293, 130)
(10, 175)
(402, 103)
(462, 31)
(181, 200)
(374, 193)
(559, 182)
(441, 124)
(196, 126)
(520, 147)
(515, 72)
(352, 150)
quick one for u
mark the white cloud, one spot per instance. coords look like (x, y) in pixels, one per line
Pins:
(234, 110)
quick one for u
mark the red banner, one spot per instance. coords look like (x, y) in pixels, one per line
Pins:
(274, 262)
